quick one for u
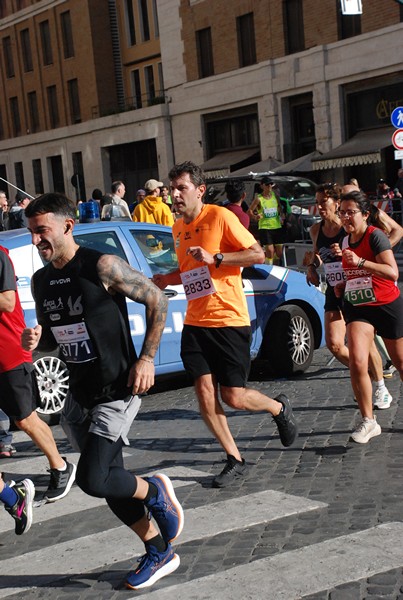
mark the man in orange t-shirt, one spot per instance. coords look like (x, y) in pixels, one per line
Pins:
(212, 246)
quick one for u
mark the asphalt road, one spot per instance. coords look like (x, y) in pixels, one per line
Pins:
(321, 520)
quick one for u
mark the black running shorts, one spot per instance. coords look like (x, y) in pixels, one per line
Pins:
(19, 394)
(221, 351)
(271, 237)
(332, 303)
(387, 319)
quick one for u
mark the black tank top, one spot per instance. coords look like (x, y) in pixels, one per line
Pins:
(323, 244)
(90, 326)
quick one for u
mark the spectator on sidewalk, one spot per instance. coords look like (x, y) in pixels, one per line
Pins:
(153, 209)
(398, 202)
(140, 195)
(236, 194)
(16, 216)
(118, 193)
(6, 437)
(4, 216)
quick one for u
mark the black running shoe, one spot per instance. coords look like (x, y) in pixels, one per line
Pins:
(60, 482)
(285, 421)
(233, 470)
(22, 509)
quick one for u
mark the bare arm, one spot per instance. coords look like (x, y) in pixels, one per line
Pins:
(314, 232)
(118, 277)
(7, 301)
(384, 265)
(254, 206)
(312, 259)
(163, 280)
(242, 258)
(36, 337)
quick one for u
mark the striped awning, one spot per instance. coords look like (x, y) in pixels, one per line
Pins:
(364, 148)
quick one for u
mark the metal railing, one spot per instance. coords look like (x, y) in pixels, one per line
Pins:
(130, 103)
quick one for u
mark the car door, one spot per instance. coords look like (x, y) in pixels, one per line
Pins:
(154, 244)
(111, 240)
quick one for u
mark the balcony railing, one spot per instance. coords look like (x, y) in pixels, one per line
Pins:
(131, 103)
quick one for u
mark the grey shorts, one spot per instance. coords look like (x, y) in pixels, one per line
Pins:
(111, 420)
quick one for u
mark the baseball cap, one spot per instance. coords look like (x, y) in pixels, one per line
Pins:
(152, 184)
(267, 180)
(140, 191)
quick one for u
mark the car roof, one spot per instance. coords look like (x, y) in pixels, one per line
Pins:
(257, 177)
(15, 238)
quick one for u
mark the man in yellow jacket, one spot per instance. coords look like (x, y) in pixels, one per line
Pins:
(153, 209)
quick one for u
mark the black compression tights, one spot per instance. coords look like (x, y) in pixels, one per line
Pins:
(100, 473)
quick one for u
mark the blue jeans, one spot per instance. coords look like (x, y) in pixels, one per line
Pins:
(6, 437)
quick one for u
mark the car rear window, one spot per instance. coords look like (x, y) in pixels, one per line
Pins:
(158, 249)
(106, 242)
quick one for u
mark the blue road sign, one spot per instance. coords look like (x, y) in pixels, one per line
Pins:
(397, 117)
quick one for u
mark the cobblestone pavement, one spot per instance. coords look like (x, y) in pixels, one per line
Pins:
(360, 485)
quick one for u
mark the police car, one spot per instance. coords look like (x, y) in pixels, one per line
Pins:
(286, 314)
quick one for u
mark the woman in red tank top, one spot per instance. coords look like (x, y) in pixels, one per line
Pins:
(372, 302)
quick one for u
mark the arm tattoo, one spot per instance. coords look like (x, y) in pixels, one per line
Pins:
(117, 276)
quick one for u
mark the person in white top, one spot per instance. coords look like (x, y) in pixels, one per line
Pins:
(118, 190)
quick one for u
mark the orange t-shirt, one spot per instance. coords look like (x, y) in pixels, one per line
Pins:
(216, 230)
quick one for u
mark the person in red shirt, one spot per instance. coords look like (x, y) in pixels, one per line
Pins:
(236, 194)
(18, 388)
(372, 302)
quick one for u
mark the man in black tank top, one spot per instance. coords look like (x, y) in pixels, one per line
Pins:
(80, 298)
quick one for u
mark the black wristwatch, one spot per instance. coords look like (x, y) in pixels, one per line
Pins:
(218, 259)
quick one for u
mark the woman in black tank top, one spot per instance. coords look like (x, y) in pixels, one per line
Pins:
(326, 237)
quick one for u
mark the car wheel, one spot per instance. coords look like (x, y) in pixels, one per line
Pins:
(53, 383)
(289, 340)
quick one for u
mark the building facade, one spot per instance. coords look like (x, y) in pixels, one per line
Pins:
(95, 91)
(82, 99)
(285, 78)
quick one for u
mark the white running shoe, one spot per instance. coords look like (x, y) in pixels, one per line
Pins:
(382, 398)
(388, 369)
(366, 430)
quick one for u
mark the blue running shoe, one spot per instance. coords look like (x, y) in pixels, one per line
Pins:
(153, 566)
(165, 508)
